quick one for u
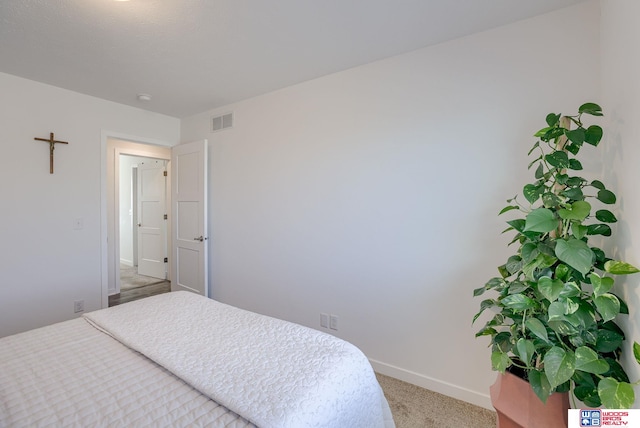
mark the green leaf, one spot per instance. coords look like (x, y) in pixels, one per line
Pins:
(590, 108)
(575, 181)
(607, 197)
(615, 395)
(608, 306)
(599, 229)
(550, 200)
(608, 341)
(574, 193)
(562, 271)
(576, 254)
(514, 264)
(552, 119)
(579, 210)
(540, 220)
(508, 208)
(576, 136)
(578, 230)
(532, 192)
(636, 351)
(526, 349)
(550, 288)
(536, 327)
(542, 132)
(537, 266)
(559, 159)
(570, 289)
(575, 165)
(539, 171)
(529, 251)
(519, 302)
(559, 365)
(606, 216)
(620, 268)
(597, 184)
(587, 360)
(601, 285)
(540, 384)
(500, 361)
(517, 287)
(593, 135)
(588, 394)
(616, 370)
(562, 178)
(556, 311)
(570, 308)
(572, 148)
(485, 304)
(517, 224)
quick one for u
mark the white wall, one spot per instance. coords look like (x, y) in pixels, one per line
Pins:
(372, 193)
(45, 263)
(621, 89)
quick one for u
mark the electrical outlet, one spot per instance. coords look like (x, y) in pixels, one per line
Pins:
(78, 306)
(324, 320)
(78, 223)
(333, 322)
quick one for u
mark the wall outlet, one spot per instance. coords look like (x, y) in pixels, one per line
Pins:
(324, 320)
(333, 322)
(78, 306)
(78, 223)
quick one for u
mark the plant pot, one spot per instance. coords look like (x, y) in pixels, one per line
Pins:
(518, 406)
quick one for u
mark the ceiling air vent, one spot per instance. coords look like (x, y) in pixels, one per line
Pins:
(218, 123)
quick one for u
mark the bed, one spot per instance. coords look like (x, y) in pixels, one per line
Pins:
(179, 359)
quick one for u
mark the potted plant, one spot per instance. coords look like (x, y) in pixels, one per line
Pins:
(554, 312)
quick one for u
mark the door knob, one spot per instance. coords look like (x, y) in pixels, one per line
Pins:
(139, 224)
(200, 238)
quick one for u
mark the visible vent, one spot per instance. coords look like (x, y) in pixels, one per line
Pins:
(219, 123)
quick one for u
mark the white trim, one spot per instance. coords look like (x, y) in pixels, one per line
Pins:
(436, 385)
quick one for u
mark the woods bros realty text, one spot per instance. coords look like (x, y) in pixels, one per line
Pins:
(603, 418)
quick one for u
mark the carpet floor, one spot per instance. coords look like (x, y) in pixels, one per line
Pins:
(415, 407)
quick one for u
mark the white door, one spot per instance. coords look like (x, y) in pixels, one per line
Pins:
(152, 230)
(189, 213)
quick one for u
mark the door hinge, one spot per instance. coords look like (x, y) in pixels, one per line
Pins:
(165, 173)
(165, 216)
(166, 259)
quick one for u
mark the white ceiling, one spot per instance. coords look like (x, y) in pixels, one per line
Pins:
(194, 55)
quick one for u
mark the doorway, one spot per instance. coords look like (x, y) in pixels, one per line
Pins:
(129, 151)
(187, 197)
(143, 216)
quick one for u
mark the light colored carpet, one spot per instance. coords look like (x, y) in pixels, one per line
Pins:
(415, 407)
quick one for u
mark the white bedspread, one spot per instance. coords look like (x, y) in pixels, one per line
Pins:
(72, 375)
(274, 373)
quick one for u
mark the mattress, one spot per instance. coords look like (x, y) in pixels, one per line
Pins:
(184, 360)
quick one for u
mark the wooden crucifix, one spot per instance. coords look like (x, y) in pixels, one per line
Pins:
(52, 144)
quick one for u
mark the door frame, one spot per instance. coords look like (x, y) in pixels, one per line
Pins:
(114, 144)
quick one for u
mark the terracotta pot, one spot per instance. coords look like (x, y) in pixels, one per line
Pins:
(518, 406)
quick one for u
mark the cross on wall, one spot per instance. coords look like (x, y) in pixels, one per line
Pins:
(52, 142)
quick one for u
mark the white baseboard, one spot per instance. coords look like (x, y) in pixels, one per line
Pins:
(126, 262)
(439, 386)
